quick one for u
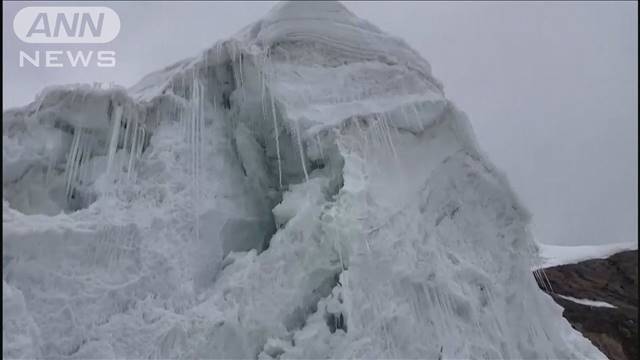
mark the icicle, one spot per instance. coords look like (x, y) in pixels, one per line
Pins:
(262, 87)
(183, 117)
(127, 133)
(127, 116)
(88, 152)
(535, 276)
(199, 154)
(115, 131)
(375, 133)
(547, 279)
(541, 281)
(71, 158)
(301, 150)
(77, 158)
(140, 141)
(183, 122)
(82, 158)
(276, 130)
(262, 94)
(133, 149)
(240, 69)
(364, 135)
(319, 144)
(197, 114)
(234, 54)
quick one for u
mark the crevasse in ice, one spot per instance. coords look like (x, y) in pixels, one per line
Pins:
(303, 189)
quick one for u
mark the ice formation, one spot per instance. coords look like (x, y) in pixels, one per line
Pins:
(303, 189)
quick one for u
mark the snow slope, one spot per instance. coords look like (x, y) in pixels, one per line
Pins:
(554, 255)
(301, 190)
(588, 302)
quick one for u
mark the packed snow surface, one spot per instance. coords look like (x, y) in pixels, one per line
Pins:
(303, 189)
(555, 255)
(588, 302)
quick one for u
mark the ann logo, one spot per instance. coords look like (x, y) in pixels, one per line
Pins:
(66, 25)
(42, 25)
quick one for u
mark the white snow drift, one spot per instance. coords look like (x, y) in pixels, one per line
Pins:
(555, 255)
(301, 190)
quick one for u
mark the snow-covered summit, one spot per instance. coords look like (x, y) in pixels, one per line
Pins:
(334, 34)
(303, 189)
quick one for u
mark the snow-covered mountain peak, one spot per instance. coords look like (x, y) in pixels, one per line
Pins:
(317, 33)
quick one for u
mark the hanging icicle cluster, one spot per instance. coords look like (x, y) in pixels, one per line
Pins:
(134, 140)
(127, 133)
(264, 60)
(116, 120)
(76, 170)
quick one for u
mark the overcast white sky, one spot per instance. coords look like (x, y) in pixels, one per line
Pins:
(551, 88)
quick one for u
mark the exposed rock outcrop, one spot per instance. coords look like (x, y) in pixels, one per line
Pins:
(614, 330)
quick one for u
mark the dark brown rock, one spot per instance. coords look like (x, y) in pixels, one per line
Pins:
(613, 280)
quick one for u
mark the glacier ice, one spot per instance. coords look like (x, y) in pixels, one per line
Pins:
(303, 189)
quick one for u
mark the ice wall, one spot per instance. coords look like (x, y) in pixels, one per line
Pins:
(303, 189)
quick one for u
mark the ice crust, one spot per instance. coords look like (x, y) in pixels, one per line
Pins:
(303, 189)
